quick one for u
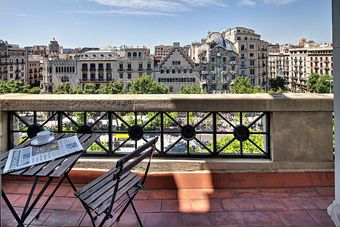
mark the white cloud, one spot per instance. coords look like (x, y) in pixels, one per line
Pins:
(122, 12)
(248, 2)
(157, 7)
(266, 2)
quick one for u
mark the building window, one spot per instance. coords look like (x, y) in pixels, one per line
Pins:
(252, 62)
(129, 76)
(140, 66)
(134, 55)
(238, 38)
(129, 66)
(162, 71)
(252, 72)
(190, 70)
(185, 70)
(84, 76)
(173, 71)
(251, 55)
(120, 75)
(242, 47)
(92, 66)
(108, 65)
(121, 66)
(224, 59)
(251, 46)
(212, 59)
(129, 54)
(149, 66)
(84, 66)
(93, 76)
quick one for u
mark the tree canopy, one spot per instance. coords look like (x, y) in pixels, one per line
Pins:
(14, 86)
(146, 85)
(277, 84)
(312, 80)
(191, 89)
(320, 84)
(242, 85)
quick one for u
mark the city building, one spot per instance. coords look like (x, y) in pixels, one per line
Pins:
(278, 65)
(34, 69)
(304, 61)
(37, 50)
(253, 53)
(57, 72)
(218, 63)
(161, 51)
(54, 49)
(13, 62)
(177, 70)
(104, 66)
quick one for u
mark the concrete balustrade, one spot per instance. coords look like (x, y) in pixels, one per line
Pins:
(300, 126)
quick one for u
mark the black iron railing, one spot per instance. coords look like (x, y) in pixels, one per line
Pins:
(194, 134)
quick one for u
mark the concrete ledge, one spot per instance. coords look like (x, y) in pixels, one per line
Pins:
(213, 165)
(209, 180)
(166, 103)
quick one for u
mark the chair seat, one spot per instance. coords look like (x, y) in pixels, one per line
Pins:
(97, 195)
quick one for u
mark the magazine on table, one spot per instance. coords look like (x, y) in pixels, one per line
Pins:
(32, 155)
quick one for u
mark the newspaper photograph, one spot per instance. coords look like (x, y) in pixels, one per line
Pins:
(32, 155)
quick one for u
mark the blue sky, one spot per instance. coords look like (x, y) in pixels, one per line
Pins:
(76, 23)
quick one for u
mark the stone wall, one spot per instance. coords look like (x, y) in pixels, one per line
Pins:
(300, 125)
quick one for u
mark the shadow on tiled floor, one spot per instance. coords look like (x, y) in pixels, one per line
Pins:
(162, 208)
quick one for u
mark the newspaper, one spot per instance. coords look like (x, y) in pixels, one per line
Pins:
(29, 156)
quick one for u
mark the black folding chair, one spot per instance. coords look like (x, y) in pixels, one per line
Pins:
(104, 195)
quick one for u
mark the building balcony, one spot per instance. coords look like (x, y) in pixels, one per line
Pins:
(190, 183)
(129, 69)
(121, 70)
(84, 69)
(108, 69)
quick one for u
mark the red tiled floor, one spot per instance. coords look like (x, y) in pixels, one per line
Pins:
(237, 204)
(189, 207)
(268, 204)
(169, 194)
(296, 218)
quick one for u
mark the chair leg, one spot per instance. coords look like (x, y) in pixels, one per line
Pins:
(89, 213)
(134, 209)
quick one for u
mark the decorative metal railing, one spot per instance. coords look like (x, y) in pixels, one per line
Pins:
(194, 134)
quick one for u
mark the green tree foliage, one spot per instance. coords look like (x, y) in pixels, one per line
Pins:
(191, 89)
(312, 81)
(34, 90)
(14, 86)
(90, 88)
(112, 88)
(146, 85)
(242, 85)
(277, 84)
(324, 84)
(64, 89)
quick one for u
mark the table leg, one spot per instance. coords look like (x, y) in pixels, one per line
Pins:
(25, 215)
(16, 216)
(50, 196)
(30, 196)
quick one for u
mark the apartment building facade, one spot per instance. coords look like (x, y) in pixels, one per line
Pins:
(253, 54)
(57, 72)
(177, 70)
(13, 62)
(278, 65)
(35, 69)
(101, 67)
(304, 61)
(218, 63)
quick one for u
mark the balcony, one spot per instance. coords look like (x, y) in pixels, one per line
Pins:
(197, 178)
(121, 70)
(129, 69)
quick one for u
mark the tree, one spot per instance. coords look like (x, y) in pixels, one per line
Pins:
(191, 89)
(146, 85)
(324, 84)
(312, 80)
(64, 89)
(277, 84)
(34, 90)
(90, 88)
(112, 88)
(14, 86)
(242, 85)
